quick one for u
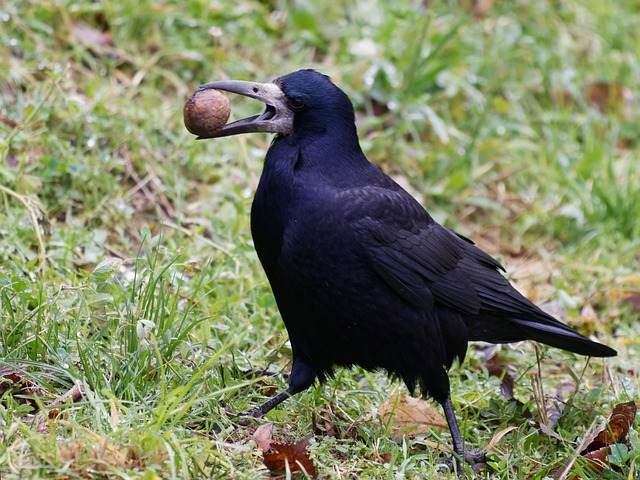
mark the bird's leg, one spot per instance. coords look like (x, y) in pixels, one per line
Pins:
(261, 410)
(302, 377)
(456, 436)
(459, 453)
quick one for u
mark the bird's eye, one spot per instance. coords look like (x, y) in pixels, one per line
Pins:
(296, 103)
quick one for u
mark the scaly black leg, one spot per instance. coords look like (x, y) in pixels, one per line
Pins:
(302, 377)
(456, 436)
(457, 439)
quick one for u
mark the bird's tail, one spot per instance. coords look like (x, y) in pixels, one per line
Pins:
(537, 326)
(547, 330)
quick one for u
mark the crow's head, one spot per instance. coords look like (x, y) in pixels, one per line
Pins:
(299, 103)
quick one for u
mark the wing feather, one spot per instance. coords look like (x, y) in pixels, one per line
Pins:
(429, 265)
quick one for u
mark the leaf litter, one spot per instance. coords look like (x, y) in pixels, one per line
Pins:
(283, 458)
(411, 416)
(597, 448)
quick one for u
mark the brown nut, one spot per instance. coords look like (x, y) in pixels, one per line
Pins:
(206, 112)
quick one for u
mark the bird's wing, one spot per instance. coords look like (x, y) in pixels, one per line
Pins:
(425, 262)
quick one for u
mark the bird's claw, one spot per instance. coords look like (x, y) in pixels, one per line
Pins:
(474, 457)
(244, 421)
(453, 464)
(246, 418)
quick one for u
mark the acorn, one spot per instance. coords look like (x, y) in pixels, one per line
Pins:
(206, 112)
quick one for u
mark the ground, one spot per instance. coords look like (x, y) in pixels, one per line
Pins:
(126, 263)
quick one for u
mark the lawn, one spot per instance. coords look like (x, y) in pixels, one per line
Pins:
(136, 318)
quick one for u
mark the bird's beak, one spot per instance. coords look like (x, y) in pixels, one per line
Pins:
(277, 116)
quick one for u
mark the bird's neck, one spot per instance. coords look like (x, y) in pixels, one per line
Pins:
(334, 159)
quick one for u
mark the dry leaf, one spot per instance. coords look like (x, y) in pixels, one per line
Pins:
(386, 458)
(598, 458)
(410, 416)
(616, 428)
(279, 457)
(608, 96)
(295, 458)
(599, 443)
(547, 431)
(9, 378)
(497, 366)
(8, 121)
(597, 461)
(497, 437)
(263, 436)
(506, 386)
(15, 378)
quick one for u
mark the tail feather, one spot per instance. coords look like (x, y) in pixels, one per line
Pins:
(561, 336)
(537, 326)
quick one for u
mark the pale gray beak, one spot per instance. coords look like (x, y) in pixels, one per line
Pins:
(277, 116)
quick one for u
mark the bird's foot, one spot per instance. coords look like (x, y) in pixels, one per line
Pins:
(475, 458)
(246, 418)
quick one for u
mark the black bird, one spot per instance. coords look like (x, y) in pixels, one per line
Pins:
(361, 273)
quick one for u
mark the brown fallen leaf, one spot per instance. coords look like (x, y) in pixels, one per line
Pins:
(280, 457)
(294, 458)
(595, 448)
(616, 428)
(410, 416)
(506, 386)
(496, 364)
(23, 389)
(607, 96)
(385, 458)
(497, 437)
(9, 378)
(597, 459)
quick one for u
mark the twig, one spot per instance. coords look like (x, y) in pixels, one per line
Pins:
(539, 390)
(76, 393)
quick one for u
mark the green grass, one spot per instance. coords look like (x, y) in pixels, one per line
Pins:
(125, 253)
